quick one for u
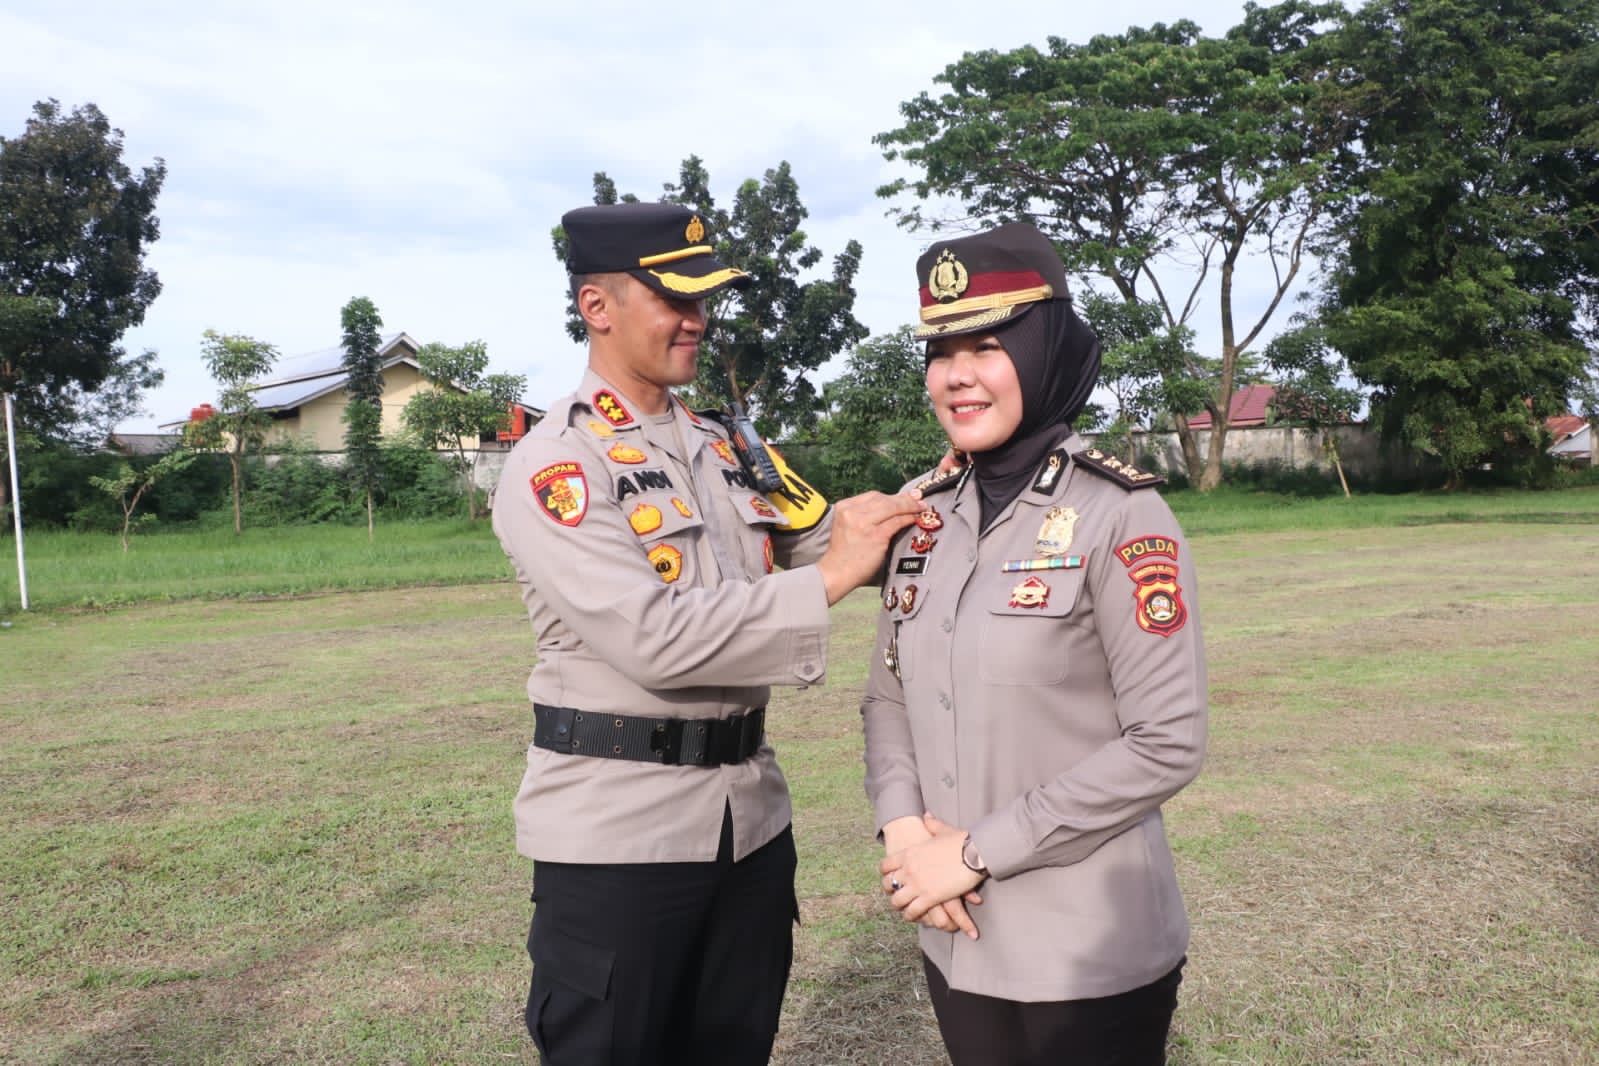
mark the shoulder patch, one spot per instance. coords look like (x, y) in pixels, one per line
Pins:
(938, 481)
(798, 501)
(1108, 466)
(563, 492)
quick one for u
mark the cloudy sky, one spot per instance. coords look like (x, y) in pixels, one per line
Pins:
(418, 154)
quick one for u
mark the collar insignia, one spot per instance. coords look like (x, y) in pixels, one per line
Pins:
(1049, 473)
(607, 404)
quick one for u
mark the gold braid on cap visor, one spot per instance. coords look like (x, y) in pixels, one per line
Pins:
(692, 286)
(994, 308)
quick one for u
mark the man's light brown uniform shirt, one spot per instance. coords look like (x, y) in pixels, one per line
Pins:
(644, 558)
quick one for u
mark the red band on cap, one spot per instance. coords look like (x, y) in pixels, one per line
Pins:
(981, 285)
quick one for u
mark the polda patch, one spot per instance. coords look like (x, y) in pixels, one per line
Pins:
(1161, 610)
(1140, 548)
(562, 491)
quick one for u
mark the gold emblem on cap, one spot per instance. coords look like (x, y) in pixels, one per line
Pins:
(696, 230)
(948, 278)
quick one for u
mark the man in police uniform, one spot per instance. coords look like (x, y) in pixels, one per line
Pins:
(655, 814)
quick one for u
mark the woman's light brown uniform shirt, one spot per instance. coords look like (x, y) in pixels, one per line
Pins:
(1050, 712)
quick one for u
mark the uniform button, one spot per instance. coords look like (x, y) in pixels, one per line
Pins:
(971, 555)
(946, 625)
(943, 701)
(949, 782)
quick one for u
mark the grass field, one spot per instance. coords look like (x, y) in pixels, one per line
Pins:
(278, 831)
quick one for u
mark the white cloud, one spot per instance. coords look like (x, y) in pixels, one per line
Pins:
(419, 154)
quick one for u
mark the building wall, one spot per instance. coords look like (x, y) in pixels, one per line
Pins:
(1361, 449)
(320, 424)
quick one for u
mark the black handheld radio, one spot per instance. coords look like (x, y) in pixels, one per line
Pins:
(751, 450)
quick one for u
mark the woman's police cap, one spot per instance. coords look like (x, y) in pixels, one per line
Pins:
(978, 282)
(666, 246)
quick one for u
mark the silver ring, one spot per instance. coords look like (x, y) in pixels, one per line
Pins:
(893, 883)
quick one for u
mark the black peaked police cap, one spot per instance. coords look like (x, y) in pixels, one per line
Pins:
(666, 246)
(977, 282)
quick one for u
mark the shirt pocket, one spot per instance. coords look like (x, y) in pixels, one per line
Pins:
(1024, 636)
(668, 528)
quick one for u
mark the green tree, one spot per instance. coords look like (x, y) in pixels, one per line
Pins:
(463, 403)
(75, 226)
(236, 362)
(139, 481)
(363, 412)
(1143, 365)
(1152, 158)
(880, 414)
(1310, 392)
(761, 343)
(1470, 242)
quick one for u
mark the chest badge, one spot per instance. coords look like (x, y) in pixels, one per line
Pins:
(763, 507)
(600, 429)
(1034, 592)
(923, 542)
(682, 508)
(929, 520)
(668, 562)
(1055, 535)
(724, 452)
(645, 519)
(907, 599)
(891, 656)
(624, 453)
(890, 598)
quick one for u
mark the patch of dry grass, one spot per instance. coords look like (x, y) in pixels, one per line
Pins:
(279, 831)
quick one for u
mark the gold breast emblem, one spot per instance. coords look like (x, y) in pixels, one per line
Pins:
(1055, 535)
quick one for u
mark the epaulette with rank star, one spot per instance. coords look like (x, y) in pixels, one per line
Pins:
(1109, 466)
(939, 480)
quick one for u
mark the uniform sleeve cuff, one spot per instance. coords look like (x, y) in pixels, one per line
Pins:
(804, 605)
(1006, 848)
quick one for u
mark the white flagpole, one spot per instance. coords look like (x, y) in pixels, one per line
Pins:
(16, 502)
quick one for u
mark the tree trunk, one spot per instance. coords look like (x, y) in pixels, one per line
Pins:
(238, 520)
(1338, 463)
(1185, 437)
(471, 489)
(1211, 478)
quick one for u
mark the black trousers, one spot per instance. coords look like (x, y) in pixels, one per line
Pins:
(658, 964)
(1122, 1030)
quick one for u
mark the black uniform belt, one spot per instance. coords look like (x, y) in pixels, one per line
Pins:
(673, 741)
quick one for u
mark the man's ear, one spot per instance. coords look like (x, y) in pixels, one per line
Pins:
(594, 305)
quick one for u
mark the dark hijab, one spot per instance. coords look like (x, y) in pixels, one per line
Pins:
(1056, 357)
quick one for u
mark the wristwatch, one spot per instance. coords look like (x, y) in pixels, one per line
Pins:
(969, 856)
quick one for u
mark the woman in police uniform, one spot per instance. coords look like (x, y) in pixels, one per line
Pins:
(1038, 691)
